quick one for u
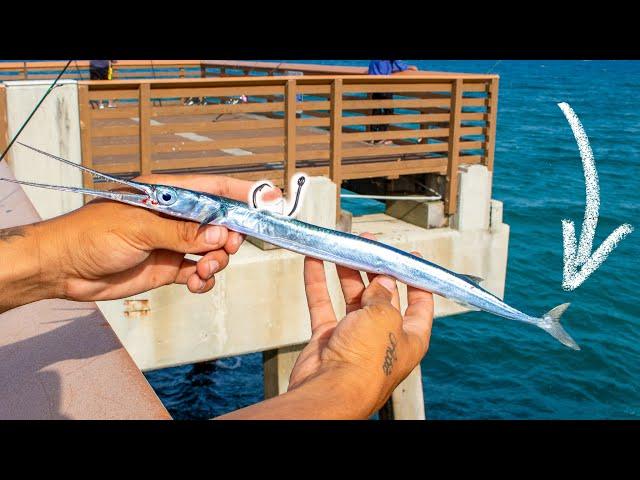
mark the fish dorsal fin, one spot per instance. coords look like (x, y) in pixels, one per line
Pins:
(472, 278)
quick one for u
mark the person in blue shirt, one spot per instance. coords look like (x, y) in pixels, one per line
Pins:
(385, 67)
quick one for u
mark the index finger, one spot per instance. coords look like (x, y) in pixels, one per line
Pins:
(229, 187)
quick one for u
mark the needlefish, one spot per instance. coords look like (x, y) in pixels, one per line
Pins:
(334, 246)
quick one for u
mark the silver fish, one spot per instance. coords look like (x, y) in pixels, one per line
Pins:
(326, 244)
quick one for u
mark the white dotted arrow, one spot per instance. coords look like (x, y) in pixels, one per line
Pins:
(580, 255)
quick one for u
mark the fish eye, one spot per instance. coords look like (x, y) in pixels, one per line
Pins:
(166, 196)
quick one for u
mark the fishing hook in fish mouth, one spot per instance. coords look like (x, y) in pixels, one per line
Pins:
(298, 180)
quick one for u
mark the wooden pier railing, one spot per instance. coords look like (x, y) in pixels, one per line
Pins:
(122, 69)
(257, 127)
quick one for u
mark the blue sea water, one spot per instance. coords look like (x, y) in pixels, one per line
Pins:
(480, 366)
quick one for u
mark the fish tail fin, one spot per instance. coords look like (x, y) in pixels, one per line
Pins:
(550, 322)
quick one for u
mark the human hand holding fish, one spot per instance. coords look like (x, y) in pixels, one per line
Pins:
(108, 250)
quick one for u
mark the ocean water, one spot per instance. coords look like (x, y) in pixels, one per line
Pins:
(484, 367)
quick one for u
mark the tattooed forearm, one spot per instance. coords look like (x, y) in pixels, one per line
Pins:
(10, 233)
(390, 355)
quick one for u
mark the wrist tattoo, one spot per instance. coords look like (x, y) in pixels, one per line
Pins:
(12, 232)
(390, 355)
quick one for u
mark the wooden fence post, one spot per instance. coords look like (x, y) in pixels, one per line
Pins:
(492, 106)
(335, 145)
(455, 112)
(144, 107)
(84, 109)
(289, 131)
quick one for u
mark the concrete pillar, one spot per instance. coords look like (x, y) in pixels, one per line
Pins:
(407, 399)
(55, 128)
(474, 198)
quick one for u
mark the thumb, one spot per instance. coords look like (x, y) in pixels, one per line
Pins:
(379, 291)
(184, 237)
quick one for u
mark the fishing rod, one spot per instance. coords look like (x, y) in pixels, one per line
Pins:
(51, 87)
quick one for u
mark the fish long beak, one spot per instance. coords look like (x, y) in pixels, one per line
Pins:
(125, 197)
(138, 199)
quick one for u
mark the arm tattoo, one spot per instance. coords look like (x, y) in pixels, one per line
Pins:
(390, 355)
(9, 233)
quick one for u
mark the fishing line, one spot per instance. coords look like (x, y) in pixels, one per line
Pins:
(53, 85)
(78, 68)
(494, 66)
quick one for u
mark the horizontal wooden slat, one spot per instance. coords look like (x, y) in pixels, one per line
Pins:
(472, 130)
(376, 104)
(313, 122)
(234, 125)
(217, 161)
(474, 102)
(377, 119)
(208, 109)
(391, 135)
(113, 168)
(244, 143)
(404, 167)
(115, 149)
(474, 116)
(470, 145)
(397, 88)
(384, 150)
(217, 91)
(113, 94)
(115, 131)
(118, 112)
(475, 87)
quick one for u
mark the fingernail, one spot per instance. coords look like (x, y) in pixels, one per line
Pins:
(201, 284)
(212, 235)
(213, 267)
(386, 282)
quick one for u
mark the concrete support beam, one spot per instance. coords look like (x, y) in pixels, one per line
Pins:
(55, 128)
(407, 399)
(422, 214)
